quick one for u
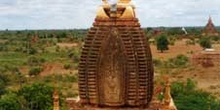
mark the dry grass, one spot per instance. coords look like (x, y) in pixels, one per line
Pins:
(207, 79)
(180, 47)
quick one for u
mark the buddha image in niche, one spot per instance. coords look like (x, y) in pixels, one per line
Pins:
(114, 71)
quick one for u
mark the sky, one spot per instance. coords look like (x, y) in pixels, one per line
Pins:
(76, 14)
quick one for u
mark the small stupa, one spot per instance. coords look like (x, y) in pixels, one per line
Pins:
(210, 29)
(56, 103)
(168, 103)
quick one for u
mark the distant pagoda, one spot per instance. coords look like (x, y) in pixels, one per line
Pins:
(210, 29)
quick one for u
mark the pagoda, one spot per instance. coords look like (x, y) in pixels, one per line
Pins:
(115, 68)
(210, 29)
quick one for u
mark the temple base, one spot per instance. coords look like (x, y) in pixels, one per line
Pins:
(75, 104)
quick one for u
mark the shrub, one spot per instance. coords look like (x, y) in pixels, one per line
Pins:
(35, 71)
(190, 42)
(186, 97)
(10, 102)
(71, 78)
(32, 51)
(3, 82)
(67, 66)
(35, 61)
(205, 42)
(151, 41)
(57, 49)
(215, 38)
(172, 40)
(3, 47)
(157, 62)
(74, 54)
(178, 61)
(190, 85)
(66, 78)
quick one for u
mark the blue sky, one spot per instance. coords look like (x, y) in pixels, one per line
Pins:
(70, 14)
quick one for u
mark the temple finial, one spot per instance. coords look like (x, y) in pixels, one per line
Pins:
(210, 18)
(124, 1)
(104, 1)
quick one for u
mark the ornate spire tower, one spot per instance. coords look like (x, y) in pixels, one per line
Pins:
(115, 67)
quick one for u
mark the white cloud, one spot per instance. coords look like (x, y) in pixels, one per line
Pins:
(41, 14)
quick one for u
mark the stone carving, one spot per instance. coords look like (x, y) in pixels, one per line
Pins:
(112, 69)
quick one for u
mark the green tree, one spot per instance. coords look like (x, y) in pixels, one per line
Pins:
(10, 101)
(162, 43)
(38, 96)
(205, 42)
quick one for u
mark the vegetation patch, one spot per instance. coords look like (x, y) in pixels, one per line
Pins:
(187, 97)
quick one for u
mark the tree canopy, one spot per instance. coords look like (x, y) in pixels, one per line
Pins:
(162, 43)
(187, 97)
(38, 96)
(10, 101)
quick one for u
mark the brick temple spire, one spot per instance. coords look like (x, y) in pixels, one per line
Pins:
(115, 68)
(210, 29)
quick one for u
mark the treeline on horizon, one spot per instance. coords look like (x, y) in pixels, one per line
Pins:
(86, 29)
(82, 32)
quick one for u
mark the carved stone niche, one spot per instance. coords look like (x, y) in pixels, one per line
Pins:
(115, 67)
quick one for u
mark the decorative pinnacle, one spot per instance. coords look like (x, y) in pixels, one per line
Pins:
(167, 97)
(104, 1)
(124, 1)
(210, 19)
(116, 1)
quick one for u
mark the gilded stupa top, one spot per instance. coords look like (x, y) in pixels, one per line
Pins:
(121, 9)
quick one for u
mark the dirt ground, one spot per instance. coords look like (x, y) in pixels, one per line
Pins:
(179, 47)
(50, 68)
(207, 79)
(53, 68)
